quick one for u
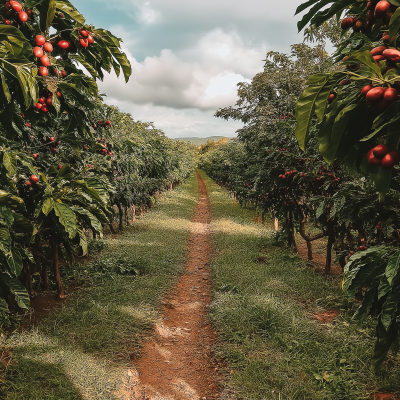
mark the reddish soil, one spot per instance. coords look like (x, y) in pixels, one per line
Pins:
(325, 317)
(384, 396)
(178, 363)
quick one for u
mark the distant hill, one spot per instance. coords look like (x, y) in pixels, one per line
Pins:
(198, 141)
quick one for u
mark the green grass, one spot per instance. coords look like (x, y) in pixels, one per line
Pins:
(262, 312)
(83, 351)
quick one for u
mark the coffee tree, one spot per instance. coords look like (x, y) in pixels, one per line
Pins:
(355, 111)
(46, 98)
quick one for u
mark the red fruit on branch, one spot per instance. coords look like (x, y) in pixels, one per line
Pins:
(375, 94)
(351, 21)
(49, 101)
(84, 42)
(38, 52)
(16, 6)
(60, 166)
(104, 151)
(39, 106)
(345, 23)
(371, 16)
(372, 160)
(48, 47)
(83, 32)
(42, 100)
(365, 90)
(7, 22)
(390, 159)
(35, 155)
(344, 82)
(45, 108)
(61, 15)
(377, 51)
(59, 94)
(29, 11)
(7, 5)
(90, 39)
(45, 60)
(54, 150)
(331, 97)
(85, 147)
(43, 71)
(28, 125)
(381, 9)
(40, 40)
(108, 122)
(358, 25)
(380, 150)
(63, 74)
(34, 179)
(63, 44)
(52, 139)
(392, 55)
(390, 95)
(378, 59)
(23, 16)
(27, 184)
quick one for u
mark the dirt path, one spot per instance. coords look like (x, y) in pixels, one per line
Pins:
(178, 363)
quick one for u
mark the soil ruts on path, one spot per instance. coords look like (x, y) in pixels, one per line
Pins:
(178, 363)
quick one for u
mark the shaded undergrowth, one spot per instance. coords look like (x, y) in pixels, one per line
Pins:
(263, 312)
(83, 350)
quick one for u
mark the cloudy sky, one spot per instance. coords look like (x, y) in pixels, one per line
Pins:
(188, 55)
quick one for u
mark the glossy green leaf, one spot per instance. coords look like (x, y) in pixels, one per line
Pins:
(9, 200)
(6, 90)
(48, 205)
(392, 267)
(394, 25)
(384, 341)
(67, 218)
(68, 9)
(20, 294)
(389, 308)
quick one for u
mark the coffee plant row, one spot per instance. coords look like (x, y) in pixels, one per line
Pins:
(65, 157)
(319, 151)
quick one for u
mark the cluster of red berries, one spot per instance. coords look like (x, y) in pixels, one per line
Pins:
(46, 100)
(377, 10)
(288, 175)
(103, 124)
(85, 38)
(40, 51)
(33, 181)
(379, 96)
(285, 117)
(360, 248)
(381, 155)
(105, 152)
(16, 15)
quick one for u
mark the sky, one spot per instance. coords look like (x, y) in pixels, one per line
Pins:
(187, 56)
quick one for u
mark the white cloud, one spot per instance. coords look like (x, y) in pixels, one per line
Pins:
(204, 82)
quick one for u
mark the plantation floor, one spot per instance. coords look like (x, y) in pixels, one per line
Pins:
(178, 363)
(195, 301)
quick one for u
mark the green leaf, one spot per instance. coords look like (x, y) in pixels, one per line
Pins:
(10, 163)
(384, 341)
(307, 17)
(83, 241)
(66, 172)
(313, 99)
(368, 300)
(394, 24)
(47, 12)
(48, 205)
(20, 294)
(68, 9)
(392, 267)
(5, 88)
(14, 202)
(91, 221)
(305, 5)
(389, 308)
(67, 218)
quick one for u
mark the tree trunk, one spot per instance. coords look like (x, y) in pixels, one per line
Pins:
(28, 276)
(44, 273)
(121, 216)
(112, 229)
(263, 217)
(56, 267)
(133, 213)
(127, 217)
(331, 241)
(291, 237)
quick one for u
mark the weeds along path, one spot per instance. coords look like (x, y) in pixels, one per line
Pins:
(178, 363)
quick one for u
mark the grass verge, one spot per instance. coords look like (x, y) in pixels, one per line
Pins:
(273, 346)
(83, 350)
